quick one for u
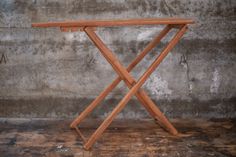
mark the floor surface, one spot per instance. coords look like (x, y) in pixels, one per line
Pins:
(125, 138)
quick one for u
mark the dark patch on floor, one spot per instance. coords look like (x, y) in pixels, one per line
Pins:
(123, 138)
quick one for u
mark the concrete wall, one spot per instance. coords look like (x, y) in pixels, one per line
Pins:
(52, 74)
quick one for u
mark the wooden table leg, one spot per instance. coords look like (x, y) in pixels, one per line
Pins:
(107, 90)
(122, 72)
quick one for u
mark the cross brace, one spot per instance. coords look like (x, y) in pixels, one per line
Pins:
(132, 84)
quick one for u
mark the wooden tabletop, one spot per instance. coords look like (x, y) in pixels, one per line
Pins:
(108, 23)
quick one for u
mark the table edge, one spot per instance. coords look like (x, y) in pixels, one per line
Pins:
(120, 22)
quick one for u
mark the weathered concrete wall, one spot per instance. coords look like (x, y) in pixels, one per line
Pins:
(52, 74)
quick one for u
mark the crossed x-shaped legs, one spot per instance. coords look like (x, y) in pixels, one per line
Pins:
(134, 86)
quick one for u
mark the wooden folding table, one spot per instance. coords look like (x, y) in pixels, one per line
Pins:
(89, 27)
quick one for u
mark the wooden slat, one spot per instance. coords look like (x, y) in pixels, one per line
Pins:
(107, 23)
(80, 134)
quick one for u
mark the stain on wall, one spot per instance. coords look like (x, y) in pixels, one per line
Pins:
(45, 66)
(3, 58)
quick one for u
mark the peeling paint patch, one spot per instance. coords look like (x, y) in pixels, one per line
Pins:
(216, 82)
(75, 36)
(158, 86)
(145, 35)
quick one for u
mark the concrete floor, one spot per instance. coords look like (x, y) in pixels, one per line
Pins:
(124, 138)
